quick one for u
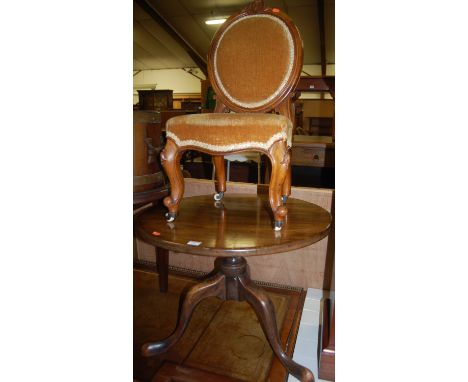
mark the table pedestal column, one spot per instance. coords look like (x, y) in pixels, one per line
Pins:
(231, 281)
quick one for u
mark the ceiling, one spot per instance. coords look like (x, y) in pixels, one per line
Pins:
(154, 47)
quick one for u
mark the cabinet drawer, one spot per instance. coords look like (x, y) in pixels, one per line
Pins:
(313, 156)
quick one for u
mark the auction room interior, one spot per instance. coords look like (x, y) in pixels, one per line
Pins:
(233, 228)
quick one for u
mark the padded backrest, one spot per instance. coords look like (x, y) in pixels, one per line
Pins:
(255, 60)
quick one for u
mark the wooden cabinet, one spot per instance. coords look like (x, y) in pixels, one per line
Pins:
(313, 151)
(155, 99)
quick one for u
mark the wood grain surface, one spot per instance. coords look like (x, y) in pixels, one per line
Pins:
(308, 267)
(240, 225)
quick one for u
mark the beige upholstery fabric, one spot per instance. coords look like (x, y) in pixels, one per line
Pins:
(253, 60)
(229, 131)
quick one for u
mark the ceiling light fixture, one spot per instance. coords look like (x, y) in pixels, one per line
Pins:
(215, 21)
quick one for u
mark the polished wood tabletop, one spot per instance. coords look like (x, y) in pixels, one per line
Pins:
(239, 225)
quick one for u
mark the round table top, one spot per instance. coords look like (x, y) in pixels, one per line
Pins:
(240, 225)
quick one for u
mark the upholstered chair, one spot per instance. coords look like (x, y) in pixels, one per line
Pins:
(254, 65)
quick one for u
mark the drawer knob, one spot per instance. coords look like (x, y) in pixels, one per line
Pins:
(316, 157)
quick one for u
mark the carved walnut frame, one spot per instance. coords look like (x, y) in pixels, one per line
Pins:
(279, 154)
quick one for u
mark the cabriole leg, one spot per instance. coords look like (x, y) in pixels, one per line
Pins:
(265, 311)
(286, 190)
(212, 287)
(279, 156)
(170, 160)
(220, 176)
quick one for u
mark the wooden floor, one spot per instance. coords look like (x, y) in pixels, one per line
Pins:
(223, 342)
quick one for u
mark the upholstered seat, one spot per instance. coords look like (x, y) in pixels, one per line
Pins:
(254, 65)
(226, 132)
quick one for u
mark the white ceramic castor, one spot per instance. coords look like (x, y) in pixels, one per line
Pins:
(218, 196)
(170, 216)
(278, 225)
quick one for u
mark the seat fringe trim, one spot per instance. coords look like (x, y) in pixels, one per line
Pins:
(232, 147)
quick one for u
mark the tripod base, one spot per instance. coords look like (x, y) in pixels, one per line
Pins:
(232, 282)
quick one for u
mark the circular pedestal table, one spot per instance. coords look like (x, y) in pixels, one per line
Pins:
(236, 227)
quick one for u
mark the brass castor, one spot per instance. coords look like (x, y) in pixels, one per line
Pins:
(170, 216)
(218, 196)
(278, 225)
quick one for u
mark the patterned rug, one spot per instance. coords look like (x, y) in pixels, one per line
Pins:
(223, 337)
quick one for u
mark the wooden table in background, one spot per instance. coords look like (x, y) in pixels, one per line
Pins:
(237, 227)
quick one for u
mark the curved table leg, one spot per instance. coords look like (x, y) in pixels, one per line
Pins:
(212, 287)
(265, 311)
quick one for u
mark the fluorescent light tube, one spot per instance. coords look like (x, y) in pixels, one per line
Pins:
(215, 21)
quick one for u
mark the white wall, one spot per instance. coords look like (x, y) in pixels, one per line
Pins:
(182, 82)
(316, 70)
(176, 79)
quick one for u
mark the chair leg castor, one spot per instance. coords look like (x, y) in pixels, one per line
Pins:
(278, 225)
(218, 196)
(170, 216)
(284, 199)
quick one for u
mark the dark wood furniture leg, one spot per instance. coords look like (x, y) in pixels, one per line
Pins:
(279, 188)
(211, 287)
(232, 282)
(265, 311)
(220, 175)
(279, 156)
(162, 265)
(286, 190)
(170, 160)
